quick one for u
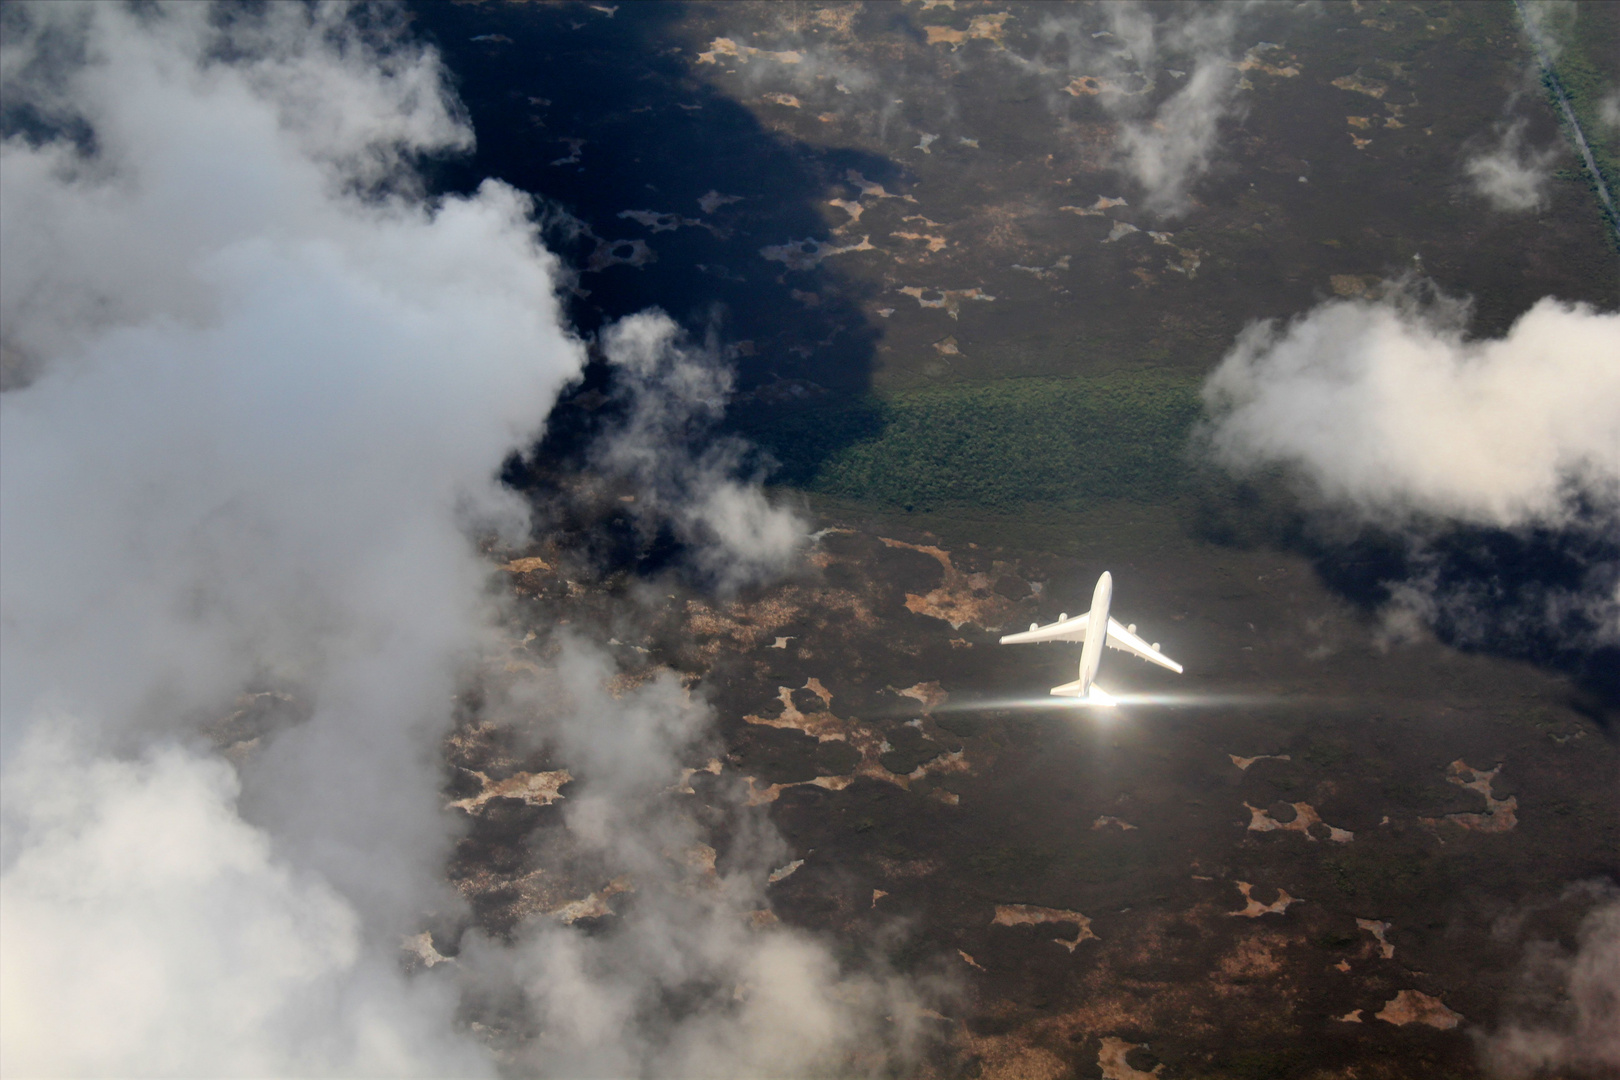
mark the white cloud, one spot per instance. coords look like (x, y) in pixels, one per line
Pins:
(1167, 153)
(1397, 420)
(1577, 997)
(1170, 150)
(1393, 412)
(261, 411)
(674, 392)
(1164, 143)
(1550, 23)
(267, 390)
(1609, 110)
(1510, 175)
(694, 938)
(149, 930)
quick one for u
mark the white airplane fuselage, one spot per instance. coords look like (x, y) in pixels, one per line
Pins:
(1091, 652)
(1097, 630)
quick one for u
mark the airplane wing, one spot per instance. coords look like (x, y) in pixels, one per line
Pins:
(1123, 639)
(1064, 630)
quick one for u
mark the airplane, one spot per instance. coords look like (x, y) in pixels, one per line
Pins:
(1076, 629)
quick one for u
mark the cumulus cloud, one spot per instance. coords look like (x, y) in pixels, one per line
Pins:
(1511, 175)
(1575, 999)
(267, 389)
(1389, 409)
(673, 392)
(259, 389)
(1476, 458)
(148, 929)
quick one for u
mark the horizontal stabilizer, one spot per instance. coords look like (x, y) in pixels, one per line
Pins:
(1095, 696)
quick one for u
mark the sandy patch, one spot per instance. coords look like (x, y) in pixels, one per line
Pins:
(787, 100)
(1045, 273)
(526, 566)
(1111, 1059)
(1009, 1057)
(1371, 87)
(950, 300)
(1244, 762)
(960, 598)
(878, 894)
(1120, 230)
(1501, 815)
(1251, 62)
(574, 148)
(1351, 1017)
(760, 796)
(980, 28)
(1416, 1007)
(658, 221)
(1253, 909)
(807, 254)
(782, 873)
(852, 207)
(821, 726)
(969, 960)
(594, 906)
(536, 789)
(929, 694)
(713, 201)
(932, 243)
(684, 787)
(1104, 821)
(1190, 258)
(824, 726)
(1088, 85)
(870, 189)
(1092, 85)
(619, 252)
(1378, 930)
(1095, 209)
(1027, 915)
(1305, 815)
(421, 947)
(743, 53)
(1355, 285)
(840, 20)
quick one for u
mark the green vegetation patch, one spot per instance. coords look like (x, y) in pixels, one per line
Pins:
(1585, 69)
(996, 446)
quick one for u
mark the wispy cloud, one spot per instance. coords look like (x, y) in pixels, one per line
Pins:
(1511, 175)
(694, 976)
(674, 392)
(1564, 1014)
(1170, 150)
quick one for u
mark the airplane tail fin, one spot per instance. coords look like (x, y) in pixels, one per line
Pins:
(1096, 695)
